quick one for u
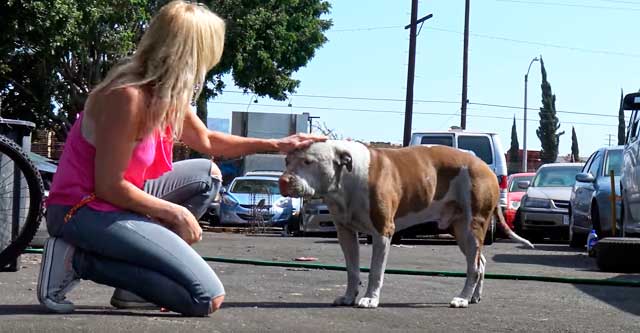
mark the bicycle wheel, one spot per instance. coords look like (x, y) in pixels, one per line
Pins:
(21, 200)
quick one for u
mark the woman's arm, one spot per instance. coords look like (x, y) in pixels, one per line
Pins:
(221, 145)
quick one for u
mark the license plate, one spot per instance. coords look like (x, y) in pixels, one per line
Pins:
(565, 220)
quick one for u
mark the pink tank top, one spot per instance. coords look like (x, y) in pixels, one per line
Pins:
(75, 178)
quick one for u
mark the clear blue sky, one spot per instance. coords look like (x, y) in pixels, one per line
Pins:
(590, 49)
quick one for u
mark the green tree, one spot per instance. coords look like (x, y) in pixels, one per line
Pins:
(621, 126)
(52, 52)
(514, 151)
(575, 153)
(549, 123)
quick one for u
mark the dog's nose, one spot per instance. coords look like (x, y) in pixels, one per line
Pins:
(283, 183)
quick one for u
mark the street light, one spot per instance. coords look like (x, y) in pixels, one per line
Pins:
(254, 99)
(524, 145)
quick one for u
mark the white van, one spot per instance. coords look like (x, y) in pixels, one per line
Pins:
(486, 146)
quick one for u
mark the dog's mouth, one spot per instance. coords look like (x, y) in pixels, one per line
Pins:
(296, 189)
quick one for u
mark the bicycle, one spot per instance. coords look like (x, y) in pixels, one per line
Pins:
(21, 201)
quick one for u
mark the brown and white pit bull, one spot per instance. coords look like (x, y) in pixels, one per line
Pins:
(382, 191)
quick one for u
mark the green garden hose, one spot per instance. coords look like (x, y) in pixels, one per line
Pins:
(289, 264)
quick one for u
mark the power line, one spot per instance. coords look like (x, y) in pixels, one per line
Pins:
(559, 4)
(511, 40)
(520, 41)
(358, 98)
(558, 111)
(401, 112)
(436, 102)
(620, 1)
(366, 28)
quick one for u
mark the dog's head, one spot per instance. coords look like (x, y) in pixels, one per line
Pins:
(315, 170)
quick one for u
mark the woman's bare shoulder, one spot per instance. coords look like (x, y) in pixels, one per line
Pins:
(122, 95)
(129, 100)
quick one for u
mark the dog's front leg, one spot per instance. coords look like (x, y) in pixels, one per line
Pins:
(381, 245)
(350, 248)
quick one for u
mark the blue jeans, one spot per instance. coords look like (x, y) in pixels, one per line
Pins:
(130, 251)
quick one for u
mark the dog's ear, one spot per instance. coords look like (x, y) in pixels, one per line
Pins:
(345, 160)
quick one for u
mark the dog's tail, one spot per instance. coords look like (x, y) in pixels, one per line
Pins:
(497, 212)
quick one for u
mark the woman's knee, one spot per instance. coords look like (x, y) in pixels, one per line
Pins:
(215, 171)
(216, 303)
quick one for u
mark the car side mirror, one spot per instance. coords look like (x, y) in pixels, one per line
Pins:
(631, 101)
(585, 177)
(223, 190)
(524, 184)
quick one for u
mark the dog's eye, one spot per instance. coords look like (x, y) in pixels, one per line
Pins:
(307, 162)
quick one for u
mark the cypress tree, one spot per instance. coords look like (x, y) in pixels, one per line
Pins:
(549, 122)
(575, 153)
(621, 127)
(514, 158)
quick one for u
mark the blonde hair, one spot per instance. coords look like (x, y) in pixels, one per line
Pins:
(181, 44)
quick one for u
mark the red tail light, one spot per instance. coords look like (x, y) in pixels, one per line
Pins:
(502, 180)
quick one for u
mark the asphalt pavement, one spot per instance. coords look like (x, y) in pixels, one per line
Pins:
(289, 299)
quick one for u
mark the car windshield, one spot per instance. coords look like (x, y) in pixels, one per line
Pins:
(513, 187)
(614, 162)
(260, 186)
(556, 176)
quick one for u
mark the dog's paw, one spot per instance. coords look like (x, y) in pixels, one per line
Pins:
(369, 303)
(344, 301)
(458, 302)
(475, 299)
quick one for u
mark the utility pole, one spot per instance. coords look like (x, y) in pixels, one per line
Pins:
(408, 113)
(465, 65)
(311, 118)
(610, 136)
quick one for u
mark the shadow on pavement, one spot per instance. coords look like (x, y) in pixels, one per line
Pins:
(577, 261)
(298, 305)
(22, 309)
(557, 248)
(622, 298)
(403, 242)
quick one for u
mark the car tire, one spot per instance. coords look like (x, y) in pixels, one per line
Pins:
(595, 219)
(534, 236)
(623, 214)
(618, 254)
(577, 240)
(490, 236)
(214, 221)
(517, 225)
(396, 238)
(293, 226)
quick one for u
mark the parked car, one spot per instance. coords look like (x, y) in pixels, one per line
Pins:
(630, 180)
(544, 209)
(47, 168)
(316, 217)
(254, 197)
(591, 196)
(212, 215)
(620, 254)
(514, 194)
(486, 146)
